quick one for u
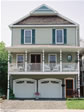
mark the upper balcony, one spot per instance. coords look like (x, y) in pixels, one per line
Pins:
(44, 59)
(47, 67)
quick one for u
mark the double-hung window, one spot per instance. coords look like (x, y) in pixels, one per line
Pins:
(28, 36)
(59, 37)
(52, 58)
(20, 60)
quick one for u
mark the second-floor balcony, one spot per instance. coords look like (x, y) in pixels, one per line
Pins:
(44, 59)
(46, 67)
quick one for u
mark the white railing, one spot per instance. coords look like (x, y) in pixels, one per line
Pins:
(38, 67)
(69, 67)
(52, 67)
(17, 67)
(34, 67)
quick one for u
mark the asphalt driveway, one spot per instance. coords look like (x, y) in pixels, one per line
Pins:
(33, 104)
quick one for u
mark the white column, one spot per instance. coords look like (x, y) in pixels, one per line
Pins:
(8, 89)
(8, 61)
(25, 61)
(78, 74)
(43, 60)
(60, 60)
(8, 75)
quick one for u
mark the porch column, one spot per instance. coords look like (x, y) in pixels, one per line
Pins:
(60, 60)
(78, 74)
(25, 61)
(8, 75)
(43, 60)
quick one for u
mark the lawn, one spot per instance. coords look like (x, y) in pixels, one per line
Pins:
(75, 103)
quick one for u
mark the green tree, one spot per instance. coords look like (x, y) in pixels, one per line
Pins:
(3, 68)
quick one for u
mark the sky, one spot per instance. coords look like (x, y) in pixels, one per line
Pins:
(12, 10)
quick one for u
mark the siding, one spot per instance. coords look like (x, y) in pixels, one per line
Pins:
(44, 36)
(64, 57)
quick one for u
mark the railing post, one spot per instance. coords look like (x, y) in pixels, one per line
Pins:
(78, 74)
(25, 61)
(43, 60)
(60, 61)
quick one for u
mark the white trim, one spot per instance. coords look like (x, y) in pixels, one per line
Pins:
(24, 36)
(49, 57)
(34, 53)
(21, 26)
(17, 59)
(44, 73)
(62, 36)
(69, 78)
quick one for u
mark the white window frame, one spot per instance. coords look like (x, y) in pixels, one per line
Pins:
(24, 36)
(17, 58)
(49, 58)
(62, 36)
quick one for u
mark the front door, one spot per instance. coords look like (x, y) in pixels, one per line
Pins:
(69, 87)
(35, 61)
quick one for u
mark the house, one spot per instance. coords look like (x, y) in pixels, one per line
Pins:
(44, 55)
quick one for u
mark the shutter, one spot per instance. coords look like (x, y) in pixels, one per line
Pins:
(22, 36)
(65, 36)
(33, 36)
(53, 36)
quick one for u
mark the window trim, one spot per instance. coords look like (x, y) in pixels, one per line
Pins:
(62, 36)
(24, 36)
(49, 58)
(17, 59)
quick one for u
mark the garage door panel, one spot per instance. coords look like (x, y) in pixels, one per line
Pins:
(24, 88)
(52, 89)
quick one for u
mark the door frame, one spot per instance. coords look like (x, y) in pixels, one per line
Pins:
(65, 84)
(35, 53)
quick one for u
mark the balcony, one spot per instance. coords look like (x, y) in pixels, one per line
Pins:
(46, 67)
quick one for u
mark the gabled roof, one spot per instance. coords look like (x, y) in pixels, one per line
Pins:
(43, 9)
(44, 15)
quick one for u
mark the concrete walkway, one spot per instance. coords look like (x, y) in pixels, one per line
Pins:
(33, 104)
(26, 110)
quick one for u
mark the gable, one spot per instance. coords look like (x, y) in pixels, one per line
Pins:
(44, 16)
(44, 20)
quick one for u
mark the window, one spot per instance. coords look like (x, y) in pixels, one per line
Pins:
(20, 58)
(20, 82)
(27, 36)
(52, 58)
(59, 36)
(69, 58)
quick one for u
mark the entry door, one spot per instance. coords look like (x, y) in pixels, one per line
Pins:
(35, 60)
(69, 88)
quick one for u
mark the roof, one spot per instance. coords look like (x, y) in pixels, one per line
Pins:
(46, 48)
(44, 20)
(44, 16)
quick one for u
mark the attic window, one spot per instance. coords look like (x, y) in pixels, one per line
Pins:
(27, 36)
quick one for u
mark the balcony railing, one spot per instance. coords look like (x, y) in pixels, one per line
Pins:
(39, 67)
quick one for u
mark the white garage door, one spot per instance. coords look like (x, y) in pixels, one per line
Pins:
(50, 88)
(24, 88)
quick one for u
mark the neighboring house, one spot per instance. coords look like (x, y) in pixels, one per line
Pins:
(44, 56)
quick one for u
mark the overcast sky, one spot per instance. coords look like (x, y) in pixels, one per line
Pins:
(14, 10)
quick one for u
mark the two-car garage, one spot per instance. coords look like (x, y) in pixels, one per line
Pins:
(47, 88)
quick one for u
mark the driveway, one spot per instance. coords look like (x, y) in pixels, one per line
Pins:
(33, 104)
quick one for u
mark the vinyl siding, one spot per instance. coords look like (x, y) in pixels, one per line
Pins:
(64, 57)
(44, 36)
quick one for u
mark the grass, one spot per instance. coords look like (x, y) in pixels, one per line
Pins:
(75, 103)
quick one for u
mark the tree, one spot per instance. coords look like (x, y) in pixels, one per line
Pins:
(3, 68)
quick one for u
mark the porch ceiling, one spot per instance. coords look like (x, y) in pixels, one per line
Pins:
(46, 48)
